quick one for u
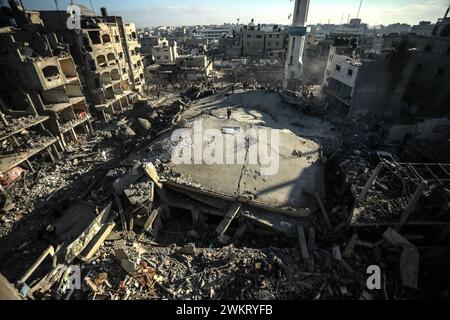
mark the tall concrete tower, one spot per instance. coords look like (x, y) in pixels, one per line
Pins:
(297, 32)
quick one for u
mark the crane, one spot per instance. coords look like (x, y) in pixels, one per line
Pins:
(359, 10)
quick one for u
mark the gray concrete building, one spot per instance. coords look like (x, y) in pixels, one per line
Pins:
(39, 77)
(253, 41)
(408, 81)
(107, 54)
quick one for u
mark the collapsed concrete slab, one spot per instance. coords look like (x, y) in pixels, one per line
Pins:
(229, 166)
(223, 154)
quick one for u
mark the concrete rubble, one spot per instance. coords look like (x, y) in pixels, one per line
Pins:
(141, 227)
(289, 165)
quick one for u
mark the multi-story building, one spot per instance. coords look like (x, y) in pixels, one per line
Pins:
(275, 43)
(39, 77)
(231, 46)
(132, 47)
(147, 43)
(194, 67)
(423, 73)
(107, 54)
(355, 26)
(212, 34)
(354, 83)
(165, 51)
(409, 80)
(253, 41)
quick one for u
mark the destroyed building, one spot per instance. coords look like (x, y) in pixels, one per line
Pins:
(186, 67)
(221, 188)
(252, 41)
(350, 81)
(39, 77)
(165, 51)
(107, 52)
(407, 81)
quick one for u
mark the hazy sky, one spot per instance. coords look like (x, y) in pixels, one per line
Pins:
(192, 12)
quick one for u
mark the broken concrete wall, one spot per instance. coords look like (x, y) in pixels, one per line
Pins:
(370, 94)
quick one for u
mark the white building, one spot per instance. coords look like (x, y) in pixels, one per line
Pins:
(340, 75)
(165, 52)
(212, 34)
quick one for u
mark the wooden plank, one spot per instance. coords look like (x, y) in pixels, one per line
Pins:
(50, 251)
(98, 240)
(151, 219)
(77, 246)
(229, 217)
(151, 172)
(324, 212)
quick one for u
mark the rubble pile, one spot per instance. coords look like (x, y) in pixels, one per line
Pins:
(50, 179)
(196, 93)
(14, 123)
(151, 271)
(26, 144)
(138, 229)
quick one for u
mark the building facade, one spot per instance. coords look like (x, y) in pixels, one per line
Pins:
(253, 41)
(39, 77)
(108, 57)
(165, 51)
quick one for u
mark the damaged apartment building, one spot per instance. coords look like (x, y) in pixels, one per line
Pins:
(407, 82)
(40, 90)
(185, 68)
(223, 191)
(252, 41)
(107, 52)
(55, 81)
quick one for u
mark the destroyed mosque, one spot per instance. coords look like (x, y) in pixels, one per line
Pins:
(235, 162)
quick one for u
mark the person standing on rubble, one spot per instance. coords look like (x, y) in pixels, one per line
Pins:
(229, 113)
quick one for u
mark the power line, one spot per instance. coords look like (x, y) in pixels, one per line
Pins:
(92, 7)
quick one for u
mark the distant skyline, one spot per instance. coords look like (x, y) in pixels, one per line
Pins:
(150, 13)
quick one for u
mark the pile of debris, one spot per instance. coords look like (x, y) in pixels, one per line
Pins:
(196, 93)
